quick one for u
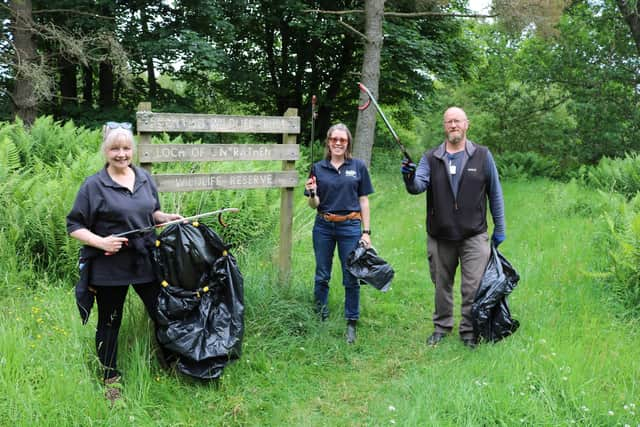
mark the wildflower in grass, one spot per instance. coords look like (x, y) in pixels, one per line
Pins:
(610, 413)
(584, 408)
(392, 408)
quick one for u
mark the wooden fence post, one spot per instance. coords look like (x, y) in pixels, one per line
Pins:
(286, 212)
(144, 137)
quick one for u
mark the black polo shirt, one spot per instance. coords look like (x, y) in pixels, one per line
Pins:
(339, 190)
(105, 207)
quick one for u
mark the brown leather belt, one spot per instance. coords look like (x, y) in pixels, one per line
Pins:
(339, 218)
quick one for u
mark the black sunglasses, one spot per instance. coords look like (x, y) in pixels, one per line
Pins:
(116, 125)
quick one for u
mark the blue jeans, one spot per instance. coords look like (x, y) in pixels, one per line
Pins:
(326, 235)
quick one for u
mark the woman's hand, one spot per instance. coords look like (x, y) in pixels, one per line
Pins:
(111, 244)
(311, 185)
(160, 217)
(312, 188)
(366, 239)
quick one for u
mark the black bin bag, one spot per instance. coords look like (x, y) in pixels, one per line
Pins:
(490, 311)
(200, 315)
(365, 264)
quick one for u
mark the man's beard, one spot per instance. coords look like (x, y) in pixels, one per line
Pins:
(454, 139)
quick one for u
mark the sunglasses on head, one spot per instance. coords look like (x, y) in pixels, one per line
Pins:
(116, 125)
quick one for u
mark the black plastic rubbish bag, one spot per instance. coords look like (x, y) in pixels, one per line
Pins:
(490, 311)
(200, 313)
(366, 265)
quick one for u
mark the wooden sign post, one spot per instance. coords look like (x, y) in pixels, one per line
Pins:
(287, 152)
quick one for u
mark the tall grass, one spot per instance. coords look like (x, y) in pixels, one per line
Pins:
(573, 361)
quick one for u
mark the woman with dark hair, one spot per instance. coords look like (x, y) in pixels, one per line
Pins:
(119, 198)
(338, 188)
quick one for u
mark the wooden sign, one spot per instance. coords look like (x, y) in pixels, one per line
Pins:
(203, 181)
(152, 153)
(173, 122)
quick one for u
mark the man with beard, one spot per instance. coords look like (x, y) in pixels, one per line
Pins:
(458, 176)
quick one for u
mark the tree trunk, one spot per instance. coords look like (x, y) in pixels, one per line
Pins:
(87, 85)
(366, 124)
(24, 97)
(151, 79)
(151, 73)
(68, 82)
(105, 99)
(631, 15)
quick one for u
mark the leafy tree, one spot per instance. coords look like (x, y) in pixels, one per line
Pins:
(570, 94)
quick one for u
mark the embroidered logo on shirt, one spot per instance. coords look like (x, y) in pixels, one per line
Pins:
(472, 170)
(350, 173)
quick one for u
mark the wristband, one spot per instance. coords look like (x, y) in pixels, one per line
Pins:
(366, 232)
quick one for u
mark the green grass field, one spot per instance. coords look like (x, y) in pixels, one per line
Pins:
(572, 362)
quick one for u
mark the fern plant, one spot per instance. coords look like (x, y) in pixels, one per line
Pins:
(41, 169)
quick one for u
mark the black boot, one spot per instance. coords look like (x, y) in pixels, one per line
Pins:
(351, 331)
(322, 310)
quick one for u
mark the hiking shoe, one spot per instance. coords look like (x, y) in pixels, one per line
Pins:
(351, 331)
(470, 342)
(435, 338)
(113, 389)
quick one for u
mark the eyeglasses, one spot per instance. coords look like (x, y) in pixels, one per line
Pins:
(456, 122)
(335, 140)
(116, 125)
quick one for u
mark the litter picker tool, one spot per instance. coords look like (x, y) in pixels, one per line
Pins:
(372, 100)
(219, 212)
(314, 100)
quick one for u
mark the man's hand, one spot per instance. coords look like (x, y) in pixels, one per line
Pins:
(408, 169)
(497, 239)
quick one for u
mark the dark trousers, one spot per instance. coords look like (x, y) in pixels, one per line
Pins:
(472, 255)
(326, 236)
(110, 301)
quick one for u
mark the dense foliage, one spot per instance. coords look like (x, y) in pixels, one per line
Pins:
(40, 172)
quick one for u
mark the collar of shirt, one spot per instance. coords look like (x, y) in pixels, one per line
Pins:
(106, 180)
(325, 163)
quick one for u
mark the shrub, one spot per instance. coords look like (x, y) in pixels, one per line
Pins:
(620, 175)
(623, 255)
(523, 165)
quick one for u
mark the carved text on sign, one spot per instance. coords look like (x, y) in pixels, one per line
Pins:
(151, 153)
(190, 182)
(173, 122)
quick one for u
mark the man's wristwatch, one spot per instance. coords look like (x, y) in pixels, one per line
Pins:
(366, 232)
